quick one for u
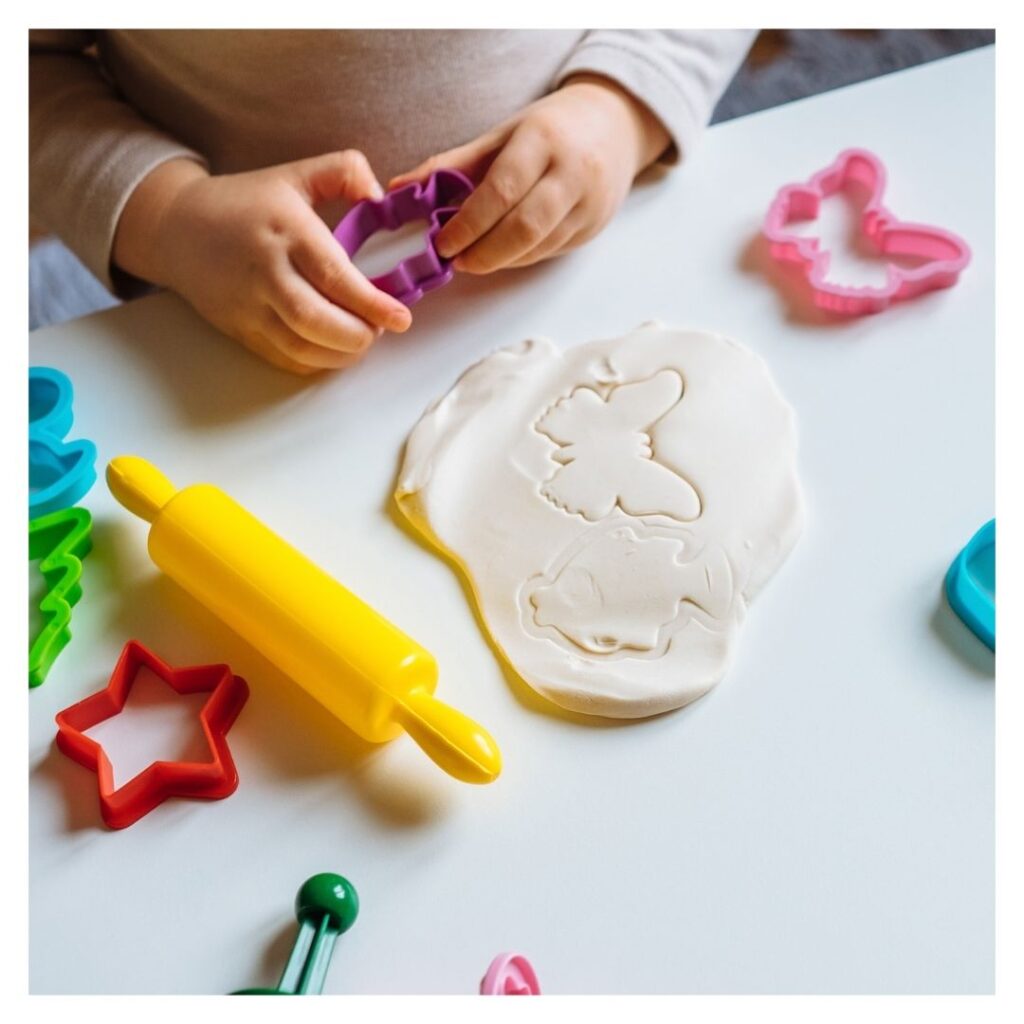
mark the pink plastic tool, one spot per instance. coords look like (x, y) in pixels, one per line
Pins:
(510, 974)
(942, 254)
(436, 201)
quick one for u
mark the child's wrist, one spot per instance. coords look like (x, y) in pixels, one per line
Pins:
(652, 137)
(137, 248)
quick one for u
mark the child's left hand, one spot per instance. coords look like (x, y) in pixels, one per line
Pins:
(550, 178)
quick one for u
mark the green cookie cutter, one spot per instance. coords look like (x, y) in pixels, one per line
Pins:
(60, 540)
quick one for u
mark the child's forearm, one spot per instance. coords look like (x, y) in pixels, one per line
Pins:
(136, 249)
(87, 148)
(678, 74)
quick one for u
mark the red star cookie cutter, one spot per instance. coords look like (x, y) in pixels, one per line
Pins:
(943, 255)
(207, 780)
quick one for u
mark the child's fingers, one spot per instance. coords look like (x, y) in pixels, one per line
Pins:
(345, 174)
(471, 158)
(515, 170)
(523, 228)
(326, 266)
(311, 317)
(297, 353)
(258, 342)
(563, 238)
(262, 346)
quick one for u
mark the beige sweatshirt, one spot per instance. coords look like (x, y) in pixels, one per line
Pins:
(106, 107)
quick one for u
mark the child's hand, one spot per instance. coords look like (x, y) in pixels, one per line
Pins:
(550, 178)
(249, 253)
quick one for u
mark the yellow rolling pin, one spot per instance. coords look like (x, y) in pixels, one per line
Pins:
(358, 665)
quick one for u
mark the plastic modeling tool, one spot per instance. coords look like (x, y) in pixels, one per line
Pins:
(59, 541)
(359, 666)
(940, 255)
(436, 201)
(326, 906)
(60, 472)
(971, 584)
(510, 974)
(207, 780)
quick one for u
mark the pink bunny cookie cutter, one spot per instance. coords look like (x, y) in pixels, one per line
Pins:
(436, 201)
(510, 974)
(942, 254)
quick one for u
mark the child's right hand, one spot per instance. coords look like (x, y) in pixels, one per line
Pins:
(253, 258)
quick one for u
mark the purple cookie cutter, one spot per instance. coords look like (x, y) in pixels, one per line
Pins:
(435, 200)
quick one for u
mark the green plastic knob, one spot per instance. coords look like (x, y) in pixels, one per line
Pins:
(331, 896)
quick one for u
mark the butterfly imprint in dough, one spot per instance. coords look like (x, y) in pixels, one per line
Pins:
(605, 455)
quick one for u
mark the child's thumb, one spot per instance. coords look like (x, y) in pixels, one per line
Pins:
(342, 175)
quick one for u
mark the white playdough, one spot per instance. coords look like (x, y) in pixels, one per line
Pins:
(615, 507)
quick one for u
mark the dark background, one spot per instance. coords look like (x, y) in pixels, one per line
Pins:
(788, 64)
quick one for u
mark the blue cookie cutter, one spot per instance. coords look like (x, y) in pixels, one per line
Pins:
(971, 584)
(60, 472)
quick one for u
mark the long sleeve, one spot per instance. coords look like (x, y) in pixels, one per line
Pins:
(679, 75)
(87, 149)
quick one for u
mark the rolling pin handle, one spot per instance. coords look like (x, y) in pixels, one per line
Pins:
(139, 486)
(449, 738)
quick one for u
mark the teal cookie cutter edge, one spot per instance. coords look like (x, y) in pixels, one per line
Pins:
(72, 462)
(60, 562)
(966, 597)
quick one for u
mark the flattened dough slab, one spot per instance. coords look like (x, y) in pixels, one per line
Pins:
(615, 507)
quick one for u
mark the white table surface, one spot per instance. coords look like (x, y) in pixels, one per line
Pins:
(821, 822)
